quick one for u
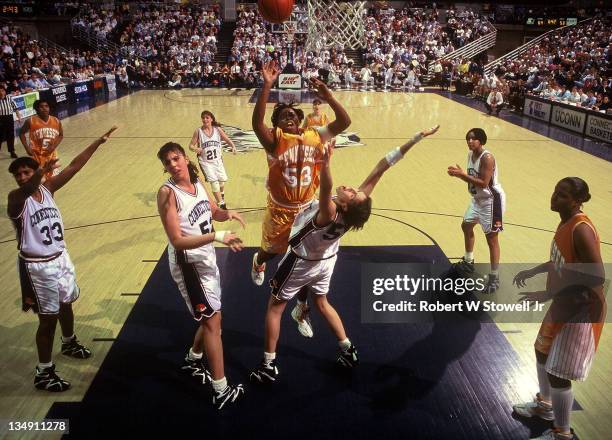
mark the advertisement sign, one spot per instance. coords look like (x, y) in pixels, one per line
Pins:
(567, 118)
(24, 104)
(599, 127)
(537, 109)
(111, 85)
(290, 81)
(82, 89)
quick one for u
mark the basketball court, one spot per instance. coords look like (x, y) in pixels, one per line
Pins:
(411, 374)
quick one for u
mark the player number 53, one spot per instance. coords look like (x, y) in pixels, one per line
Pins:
(291, 177)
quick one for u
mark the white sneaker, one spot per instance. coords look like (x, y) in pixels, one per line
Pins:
(258, 272)
(536, 408)
(300, 315)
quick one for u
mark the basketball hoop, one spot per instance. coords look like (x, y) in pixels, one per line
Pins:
(331, 23)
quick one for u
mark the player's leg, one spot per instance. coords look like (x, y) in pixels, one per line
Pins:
(348, 353)
(68, 292)
(562, 399)
(267, 371)
(216, 190)
(195, 365)
(224, 394)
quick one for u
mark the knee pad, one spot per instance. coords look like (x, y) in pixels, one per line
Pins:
(215, 186)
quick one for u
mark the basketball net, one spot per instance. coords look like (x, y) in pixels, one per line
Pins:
(331, 23)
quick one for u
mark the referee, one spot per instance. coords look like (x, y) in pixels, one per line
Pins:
(7, 124)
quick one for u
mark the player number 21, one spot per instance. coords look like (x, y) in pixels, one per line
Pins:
(291, 177)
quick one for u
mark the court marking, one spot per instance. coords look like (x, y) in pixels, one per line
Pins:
(255, 209)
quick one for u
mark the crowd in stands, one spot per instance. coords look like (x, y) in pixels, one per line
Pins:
(25, 65)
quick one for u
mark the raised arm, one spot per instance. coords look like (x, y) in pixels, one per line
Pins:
(392, 158)
(56, 182)
(269, 72)
(327, 208)
(25, 128)
(18, 197)
(342, 120)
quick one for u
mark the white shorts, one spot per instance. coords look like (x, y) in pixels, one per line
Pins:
(213, 171)
(47, 283)
(200, 285)
(572, 352)
(487, 212)
(294, 273)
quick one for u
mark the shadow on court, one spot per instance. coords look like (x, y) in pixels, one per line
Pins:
(434, 380)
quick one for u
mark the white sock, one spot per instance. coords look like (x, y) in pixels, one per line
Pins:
(302, 304)
(543, 381)
(42, 366)
(468, 256)
(562, 401)
(345, 344)
(193, 356)
(68, 339)
(219, 385)
(495, 273)
(269, 357)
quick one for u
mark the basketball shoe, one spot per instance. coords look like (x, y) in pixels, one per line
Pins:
(258, 271)
(267, 372)
(197, 369)
(75, 349)
(300, 315)
(536, 408)
(348, 358)
(46, 379)
(231, 394)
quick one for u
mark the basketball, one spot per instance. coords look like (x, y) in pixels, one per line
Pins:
(275, 11)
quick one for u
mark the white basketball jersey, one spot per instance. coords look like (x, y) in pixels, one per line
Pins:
(195, 218)
(311, 242)
(473, 169)
(211, 145)
(39, 227)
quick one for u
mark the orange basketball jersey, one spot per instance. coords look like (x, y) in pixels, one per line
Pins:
(562, 253)
(293, 175)
(313, 121)
(42, 135)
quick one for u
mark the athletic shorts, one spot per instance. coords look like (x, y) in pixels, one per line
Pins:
(294, 273)
(570, 347)
(213, 171)
(276, 227)
(487, 212)
(200, 285)
(45, 283)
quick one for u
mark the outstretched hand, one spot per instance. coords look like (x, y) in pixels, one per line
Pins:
(234, 215)
(270, 72)
(430, 131)
(327, 153)
(106, 135)
(320, 89)
(232, 241)
(48, 167)
(532, 297)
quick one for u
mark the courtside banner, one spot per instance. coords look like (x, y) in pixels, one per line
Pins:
(567, 118)
(537, 109)
(599, 127)
(290, 81)
(111, 85)
(55, 95)
(24, 104)
(82, 89)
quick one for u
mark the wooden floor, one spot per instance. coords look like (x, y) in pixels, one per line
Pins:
(113, 231)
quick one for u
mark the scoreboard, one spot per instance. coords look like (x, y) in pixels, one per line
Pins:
(13, 9)
(551, 21)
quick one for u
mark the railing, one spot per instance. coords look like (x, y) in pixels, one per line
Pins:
(469, 50)
(90, 38)
(525, 47)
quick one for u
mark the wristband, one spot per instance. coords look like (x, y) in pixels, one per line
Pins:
(220, 235)
(394, 156)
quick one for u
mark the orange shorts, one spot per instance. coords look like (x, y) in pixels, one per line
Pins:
(276, 227)
(42, 159)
